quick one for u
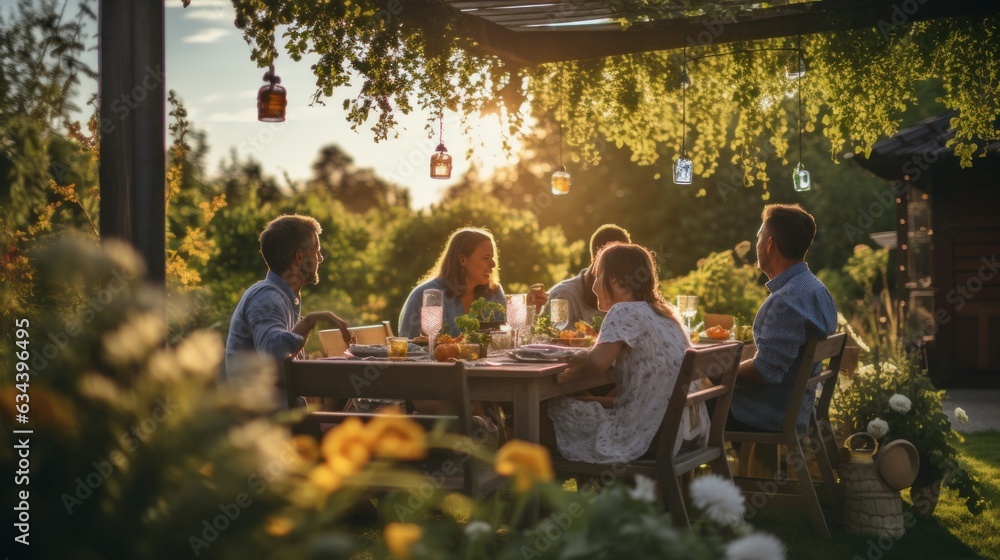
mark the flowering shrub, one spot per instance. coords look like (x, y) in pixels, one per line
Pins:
(136, 453)
(895, 399)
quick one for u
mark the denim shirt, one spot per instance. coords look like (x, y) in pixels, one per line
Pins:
(799, 308)
(263, 322)
(409, 317)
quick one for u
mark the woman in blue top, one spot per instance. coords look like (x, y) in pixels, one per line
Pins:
(466, 271)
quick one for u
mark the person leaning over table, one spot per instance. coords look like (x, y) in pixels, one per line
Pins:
(644, 341)
(465, 271)
(579, 290)
(267, 318)
(799, 308)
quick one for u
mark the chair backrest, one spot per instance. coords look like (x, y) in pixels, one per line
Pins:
(384, 380)
(815, 352)
(718, 363)
(333, 341)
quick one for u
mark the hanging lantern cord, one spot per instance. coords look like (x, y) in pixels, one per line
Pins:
(441, 128)
(799, 52)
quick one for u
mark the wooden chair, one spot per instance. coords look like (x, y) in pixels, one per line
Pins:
(333, 341)
(407, 381)
(717, 363)
(803, 493)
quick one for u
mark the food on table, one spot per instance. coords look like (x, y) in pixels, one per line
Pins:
(744, 333)
(421, 340)
(717, 332)
(447, 352)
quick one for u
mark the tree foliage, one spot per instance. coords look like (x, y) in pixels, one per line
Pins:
(858, 84)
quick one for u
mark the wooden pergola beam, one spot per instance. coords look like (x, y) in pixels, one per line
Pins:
(538, 45)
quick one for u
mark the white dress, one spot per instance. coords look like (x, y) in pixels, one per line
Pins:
(645, 373)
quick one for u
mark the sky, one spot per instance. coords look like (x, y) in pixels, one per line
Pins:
(208, 65)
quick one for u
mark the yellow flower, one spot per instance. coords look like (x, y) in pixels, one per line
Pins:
(527, 462)
(397, 437)
(400, 538)
(346, 447)
(324, 478)
(278, 526)
(306, 448)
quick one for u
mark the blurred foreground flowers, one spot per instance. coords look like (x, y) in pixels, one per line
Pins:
(136, 453)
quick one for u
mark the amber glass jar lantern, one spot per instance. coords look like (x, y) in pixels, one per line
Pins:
(561, 181)
(441, 163)
(271, 99)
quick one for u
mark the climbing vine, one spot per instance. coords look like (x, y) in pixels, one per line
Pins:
(857, 86)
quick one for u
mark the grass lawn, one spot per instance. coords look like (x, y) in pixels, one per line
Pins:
(952, 534)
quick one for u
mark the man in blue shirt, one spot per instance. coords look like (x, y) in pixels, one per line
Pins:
(267, 318)
(799, 308)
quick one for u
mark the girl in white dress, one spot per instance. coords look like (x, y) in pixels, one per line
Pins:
(644, 341)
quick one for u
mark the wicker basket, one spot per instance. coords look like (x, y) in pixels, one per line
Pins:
(871, 507)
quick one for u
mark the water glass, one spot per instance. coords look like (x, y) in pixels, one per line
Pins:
(559, 313)
(688, 308)
(517, 313)
(397, 346)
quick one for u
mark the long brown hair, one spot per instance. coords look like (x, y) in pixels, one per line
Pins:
(633, 266)
(449, 267)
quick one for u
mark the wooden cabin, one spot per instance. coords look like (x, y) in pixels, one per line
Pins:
(948, 249)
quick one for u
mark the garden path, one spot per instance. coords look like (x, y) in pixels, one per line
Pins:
(982, 406)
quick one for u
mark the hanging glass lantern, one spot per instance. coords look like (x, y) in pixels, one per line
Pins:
(271, 98)
(441, 159)
(441, 163)
(561, 181)
(683, 170)
(800, 178)
(796, 68)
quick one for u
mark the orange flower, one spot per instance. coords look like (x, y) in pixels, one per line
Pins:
(400, 538)
(397, 437)
(324, 478)
(278, 526)
(526, 462)
(306, 448)
(346, 447)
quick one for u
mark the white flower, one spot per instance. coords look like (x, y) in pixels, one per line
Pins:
(878, 428)
(201, 353)
(900, 403)
(645, 489)
(961, 416)
(476, 529)
(889, 367)
(756, 546)
(718, 498)
(866, 369)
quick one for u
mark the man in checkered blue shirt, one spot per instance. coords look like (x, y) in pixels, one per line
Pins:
(799, 308)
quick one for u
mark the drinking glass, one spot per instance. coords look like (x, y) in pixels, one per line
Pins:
(517, 314)
(397, 346)
(688, 308)
(432, 315)
(559, 313)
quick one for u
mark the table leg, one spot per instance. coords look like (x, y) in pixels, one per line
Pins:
(527, 411)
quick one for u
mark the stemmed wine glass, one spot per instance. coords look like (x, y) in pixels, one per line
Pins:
(517, 314)
(432, 315)
(559, 313)
(688, 307)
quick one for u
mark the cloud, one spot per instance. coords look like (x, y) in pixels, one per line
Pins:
(210, 35)
(248, 115)
(211, 15)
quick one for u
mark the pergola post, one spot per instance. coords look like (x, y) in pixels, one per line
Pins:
(133, 155)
